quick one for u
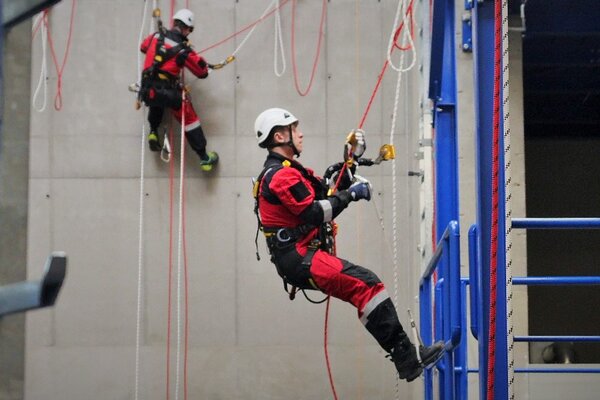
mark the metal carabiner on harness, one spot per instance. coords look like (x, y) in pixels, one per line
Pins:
(280, 235)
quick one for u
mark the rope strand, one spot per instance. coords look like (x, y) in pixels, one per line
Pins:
(278, 49)
(138, 332)
(318, 52)
(60, 69)
(40, 23)
(495, 202)
(244, 29)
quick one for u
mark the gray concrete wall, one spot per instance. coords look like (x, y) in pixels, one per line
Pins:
(14, 175)
(246, 339)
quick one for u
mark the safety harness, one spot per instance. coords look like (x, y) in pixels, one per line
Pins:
(281, 238)
(160, 88)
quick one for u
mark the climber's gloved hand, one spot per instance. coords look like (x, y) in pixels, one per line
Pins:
(360, 189)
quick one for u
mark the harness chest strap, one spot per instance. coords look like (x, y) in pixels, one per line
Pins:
(162, 55)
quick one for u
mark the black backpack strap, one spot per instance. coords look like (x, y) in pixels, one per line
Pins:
(256, 191)
(162, 55)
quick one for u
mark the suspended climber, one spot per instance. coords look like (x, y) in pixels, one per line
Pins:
(296, 213)
(167, 52)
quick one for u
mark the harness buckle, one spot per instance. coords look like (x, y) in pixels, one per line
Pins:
(314, 244)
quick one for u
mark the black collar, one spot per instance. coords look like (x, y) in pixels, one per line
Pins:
(176, 35)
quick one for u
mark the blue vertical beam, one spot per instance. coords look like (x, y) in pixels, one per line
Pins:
(442, 91)
(483, 58)
(462, 384)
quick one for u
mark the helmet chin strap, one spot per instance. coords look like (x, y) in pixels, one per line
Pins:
(289, 143)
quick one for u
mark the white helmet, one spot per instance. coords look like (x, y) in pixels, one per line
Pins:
(186, 16)
(269, 119)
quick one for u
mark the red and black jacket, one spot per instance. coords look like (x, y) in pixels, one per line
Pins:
(293, 197)
(174, 52)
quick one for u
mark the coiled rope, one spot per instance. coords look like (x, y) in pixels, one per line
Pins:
(40, 23)
(278, 44)
(244, 29)
(318, 51)
(60, 69)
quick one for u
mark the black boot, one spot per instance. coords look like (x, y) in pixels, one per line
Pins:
(404, 356)
(432, 354)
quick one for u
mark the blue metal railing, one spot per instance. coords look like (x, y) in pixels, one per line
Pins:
(474, 281)
(449, 314)
(556, 223)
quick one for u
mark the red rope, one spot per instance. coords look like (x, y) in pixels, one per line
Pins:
(326, 352)
(172, 10)
(495, 201)
(185, 267)
(60, 69)
(185, 276)
(409, 11)
(39, 24)
(316, 60)
(249, 26)
(379, 79)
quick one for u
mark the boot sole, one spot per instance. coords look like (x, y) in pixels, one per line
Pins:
(155, 147)
(432, 361)
(414, 376)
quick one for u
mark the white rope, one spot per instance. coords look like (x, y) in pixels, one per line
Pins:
(138, 325)
(44, 67)
(507, 202)
(400, 69)
(405, 33)
(254, 27)
(278, 41)
(394, 186)
(180, 244)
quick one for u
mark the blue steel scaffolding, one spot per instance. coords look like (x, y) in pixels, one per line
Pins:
(443, 303)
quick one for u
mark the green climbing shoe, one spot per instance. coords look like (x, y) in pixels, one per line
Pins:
(211, 159)
(153, 141)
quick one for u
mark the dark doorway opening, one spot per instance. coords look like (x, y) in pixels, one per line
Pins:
(561, 89)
